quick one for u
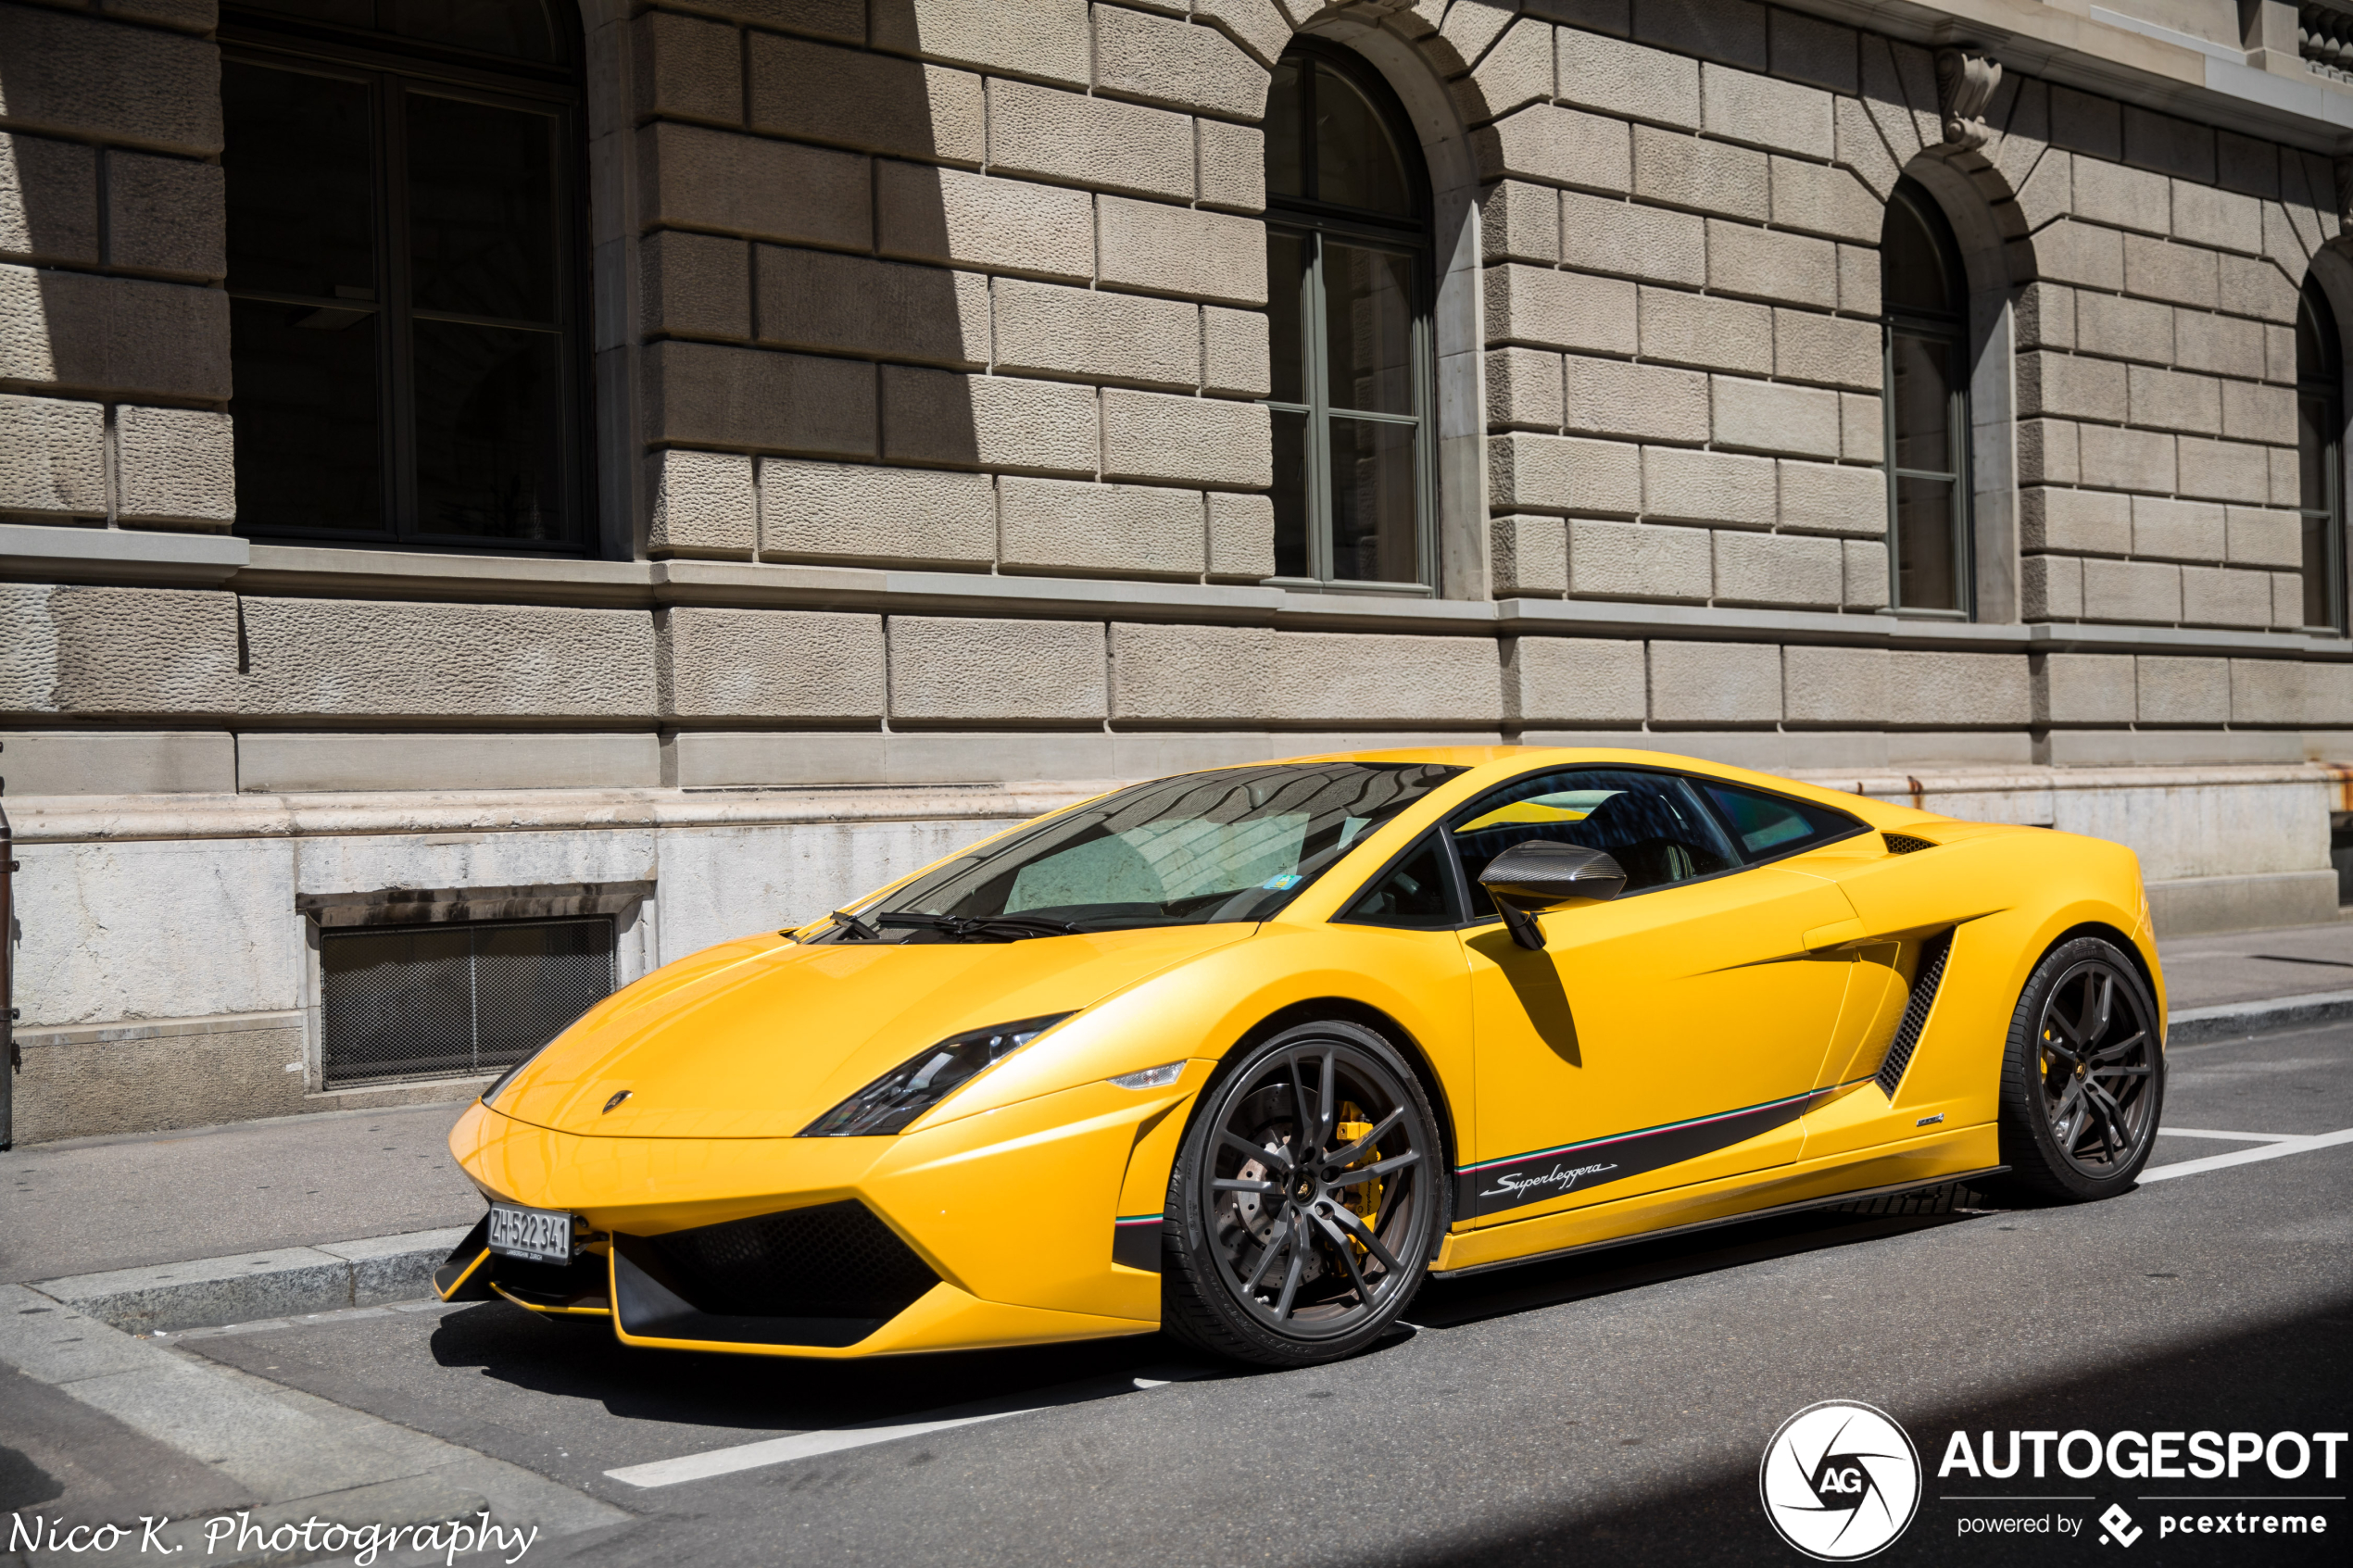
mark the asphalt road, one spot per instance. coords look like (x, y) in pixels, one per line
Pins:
(1608, 1410)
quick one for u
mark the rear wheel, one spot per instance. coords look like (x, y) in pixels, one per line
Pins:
(1305, 1201)
(2083, 1077)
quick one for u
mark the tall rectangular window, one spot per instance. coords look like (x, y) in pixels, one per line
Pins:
(2319, 442)
(1926, 377)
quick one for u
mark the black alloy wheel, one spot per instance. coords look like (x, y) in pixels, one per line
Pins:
(2084, 1083)
(1306, 1202)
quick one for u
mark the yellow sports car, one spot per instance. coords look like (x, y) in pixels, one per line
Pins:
(1244, 1054)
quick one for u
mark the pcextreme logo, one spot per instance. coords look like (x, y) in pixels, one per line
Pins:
(1840, 1480)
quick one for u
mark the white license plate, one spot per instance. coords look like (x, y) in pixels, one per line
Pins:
(540, 1235)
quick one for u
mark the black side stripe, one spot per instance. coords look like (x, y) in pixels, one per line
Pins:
(1925, 982)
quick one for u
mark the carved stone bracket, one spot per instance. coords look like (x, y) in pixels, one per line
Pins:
(1965, 83)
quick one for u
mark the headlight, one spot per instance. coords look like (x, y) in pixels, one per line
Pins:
(887, 1105)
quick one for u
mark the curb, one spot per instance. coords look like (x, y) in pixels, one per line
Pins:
(289, 1282)
(2232, 1020)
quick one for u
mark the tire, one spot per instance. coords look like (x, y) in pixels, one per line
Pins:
(1270, 1258)
(2083, 1075)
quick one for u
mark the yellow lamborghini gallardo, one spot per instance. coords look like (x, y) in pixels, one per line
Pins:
(1245, 1054)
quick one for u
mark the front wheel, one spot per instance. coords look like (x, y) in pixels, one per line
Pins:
(1305, 1202)
(2083, 1076)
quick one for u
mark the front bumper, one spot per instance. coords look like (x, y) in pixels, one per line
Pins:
(992, 1230)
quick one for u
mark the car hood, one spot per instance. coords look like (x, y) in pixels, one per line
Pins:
(757, 1038)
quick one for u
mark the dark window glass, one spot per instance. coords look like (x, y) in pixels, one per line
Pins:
(1651, 824)
(1925, 342)
(1414, 892)
(1767, 825)
(403, 298)
(1347, 261)
(2320, 449)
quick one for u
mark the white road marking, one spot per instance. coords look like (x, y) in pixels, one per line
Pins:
(2235, 1138)
(2248, 1155)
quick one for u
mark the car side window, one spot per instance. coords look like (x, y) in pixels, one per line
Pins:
(1416, 891)
(1769, 826)
(1651, 824)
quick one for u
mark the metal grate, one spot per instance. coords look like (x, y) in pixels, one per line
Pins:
(411, 1001)
(1925, 980)
(1905, 843)
(834, 1261)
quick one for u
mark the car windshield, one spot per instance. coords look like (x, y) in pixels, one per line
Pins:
(1234, 844)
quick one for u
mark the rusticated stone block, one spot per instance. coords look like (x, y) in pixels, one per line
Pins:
(1053, 330)
(1719, 335)
(48, 200)
(844, 511)
(1828, 350)
(1181, 250)
(335, 656)
(1189, 673)
(1805, 49)
(174, 466)
(1833, 686)
(1729, 31)
(968, 220)
(2083, 688)
(2082, 254)
(2176, 530)
(1867, 583)
(1121, 530)
(1185, 440)
(2142, 590)
(52, 456)
(1234, 351)
(702, 503)
(1638, 402)
(727, 397)
(1099, 142)
(2070, 386)
(1820, 497)
(2263, 538)
(2122, 197)
(1709, 487)
(987, 422)
(1645, 242)
(165, 215)
(1681, 170)
(697, 285)
(2222, 470)
(1551, 309)
(1527, 555)
(2120, 327)
(2258, 413)
(2215, 596)
(2125, 459)
(1519, 223)
(1351, 678)
(1523, 388)
(116, 650)
(695, 177)
(2174, 400)
(1241, 536)
(1960, 690)
(2282, 691)
(1233, 165)
(856, 305)
(1620, 78)
(1511, 69)
(119, 336)
(85, 77)
(1173, 62)
(768, 664)
(1755, 416)
(2209, 216)
(1862, 428)
(688, 68)
(1563, 474)
(1040, 38)
(1639, 560)
(2075, 521)
(1777, 569)
(803, 89)
(1737, 683)
(1562, 145)
(2183, 691)
(2182, 274)
(1575, 680)
(1769, 264)
(2050, 588)
(1822, 199)
(1259, 26)
(988, 671)
(1786, 116)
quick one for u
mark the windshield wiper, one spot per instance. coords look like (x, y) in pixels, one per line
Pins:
(1009, 928)
(856, 927)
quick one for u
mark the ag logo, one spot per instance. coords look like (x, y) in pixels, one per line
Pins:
(1840, 1480)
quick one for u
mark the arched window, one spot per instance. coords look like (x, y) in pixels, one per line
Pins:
(1347, 258)
(2319, 443)
(403, 232)
(1926, 379)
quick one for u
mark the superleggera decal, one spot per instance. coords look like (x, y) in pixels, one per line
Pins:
(1516, 1181)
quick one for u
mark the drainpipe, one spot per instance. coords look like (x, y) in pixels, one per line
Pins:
(11, 1064)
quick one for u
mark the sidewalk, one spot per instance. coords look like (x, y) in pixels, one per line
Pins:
(230, 1195)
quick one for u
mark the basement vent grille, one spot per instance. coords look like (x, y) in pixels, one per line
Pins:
(1905, 843)
(458, 999)
(1925, 980)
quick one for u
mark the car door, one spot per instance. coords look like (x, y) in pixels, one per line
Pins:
(1672, 1034)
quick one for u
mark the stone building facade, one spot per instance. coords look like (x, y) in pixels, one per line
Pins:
(926, 424)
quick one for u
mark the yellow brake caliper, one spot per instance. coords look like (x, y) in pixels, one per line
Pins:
(1363, 1199)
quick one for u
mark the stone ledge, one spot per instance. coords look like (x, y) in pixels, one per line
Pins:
(285, 1281)
(61, 552)
(2194, 1026)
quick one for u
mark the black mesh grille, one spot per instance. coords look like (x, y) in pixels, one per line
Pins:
(835, 1260)
(1905, 843)
(404, 1001)
(1925, 980)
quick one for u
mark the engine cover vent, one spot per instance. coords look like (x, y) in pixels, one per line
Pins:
(1905, 843)
(1925, 980)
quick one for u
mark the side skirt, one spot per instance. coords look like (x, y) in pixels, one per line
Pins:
(1830, 1201)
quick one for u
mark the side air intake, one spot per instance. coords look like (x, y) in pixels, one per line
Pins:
(1905, 843)
(1925, 980)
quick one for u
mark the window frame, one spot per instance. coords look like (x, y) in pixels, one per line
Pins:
(1951, 327)
(1460, 897)
(2328, 387)
(1312, 221)
(393, 70)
